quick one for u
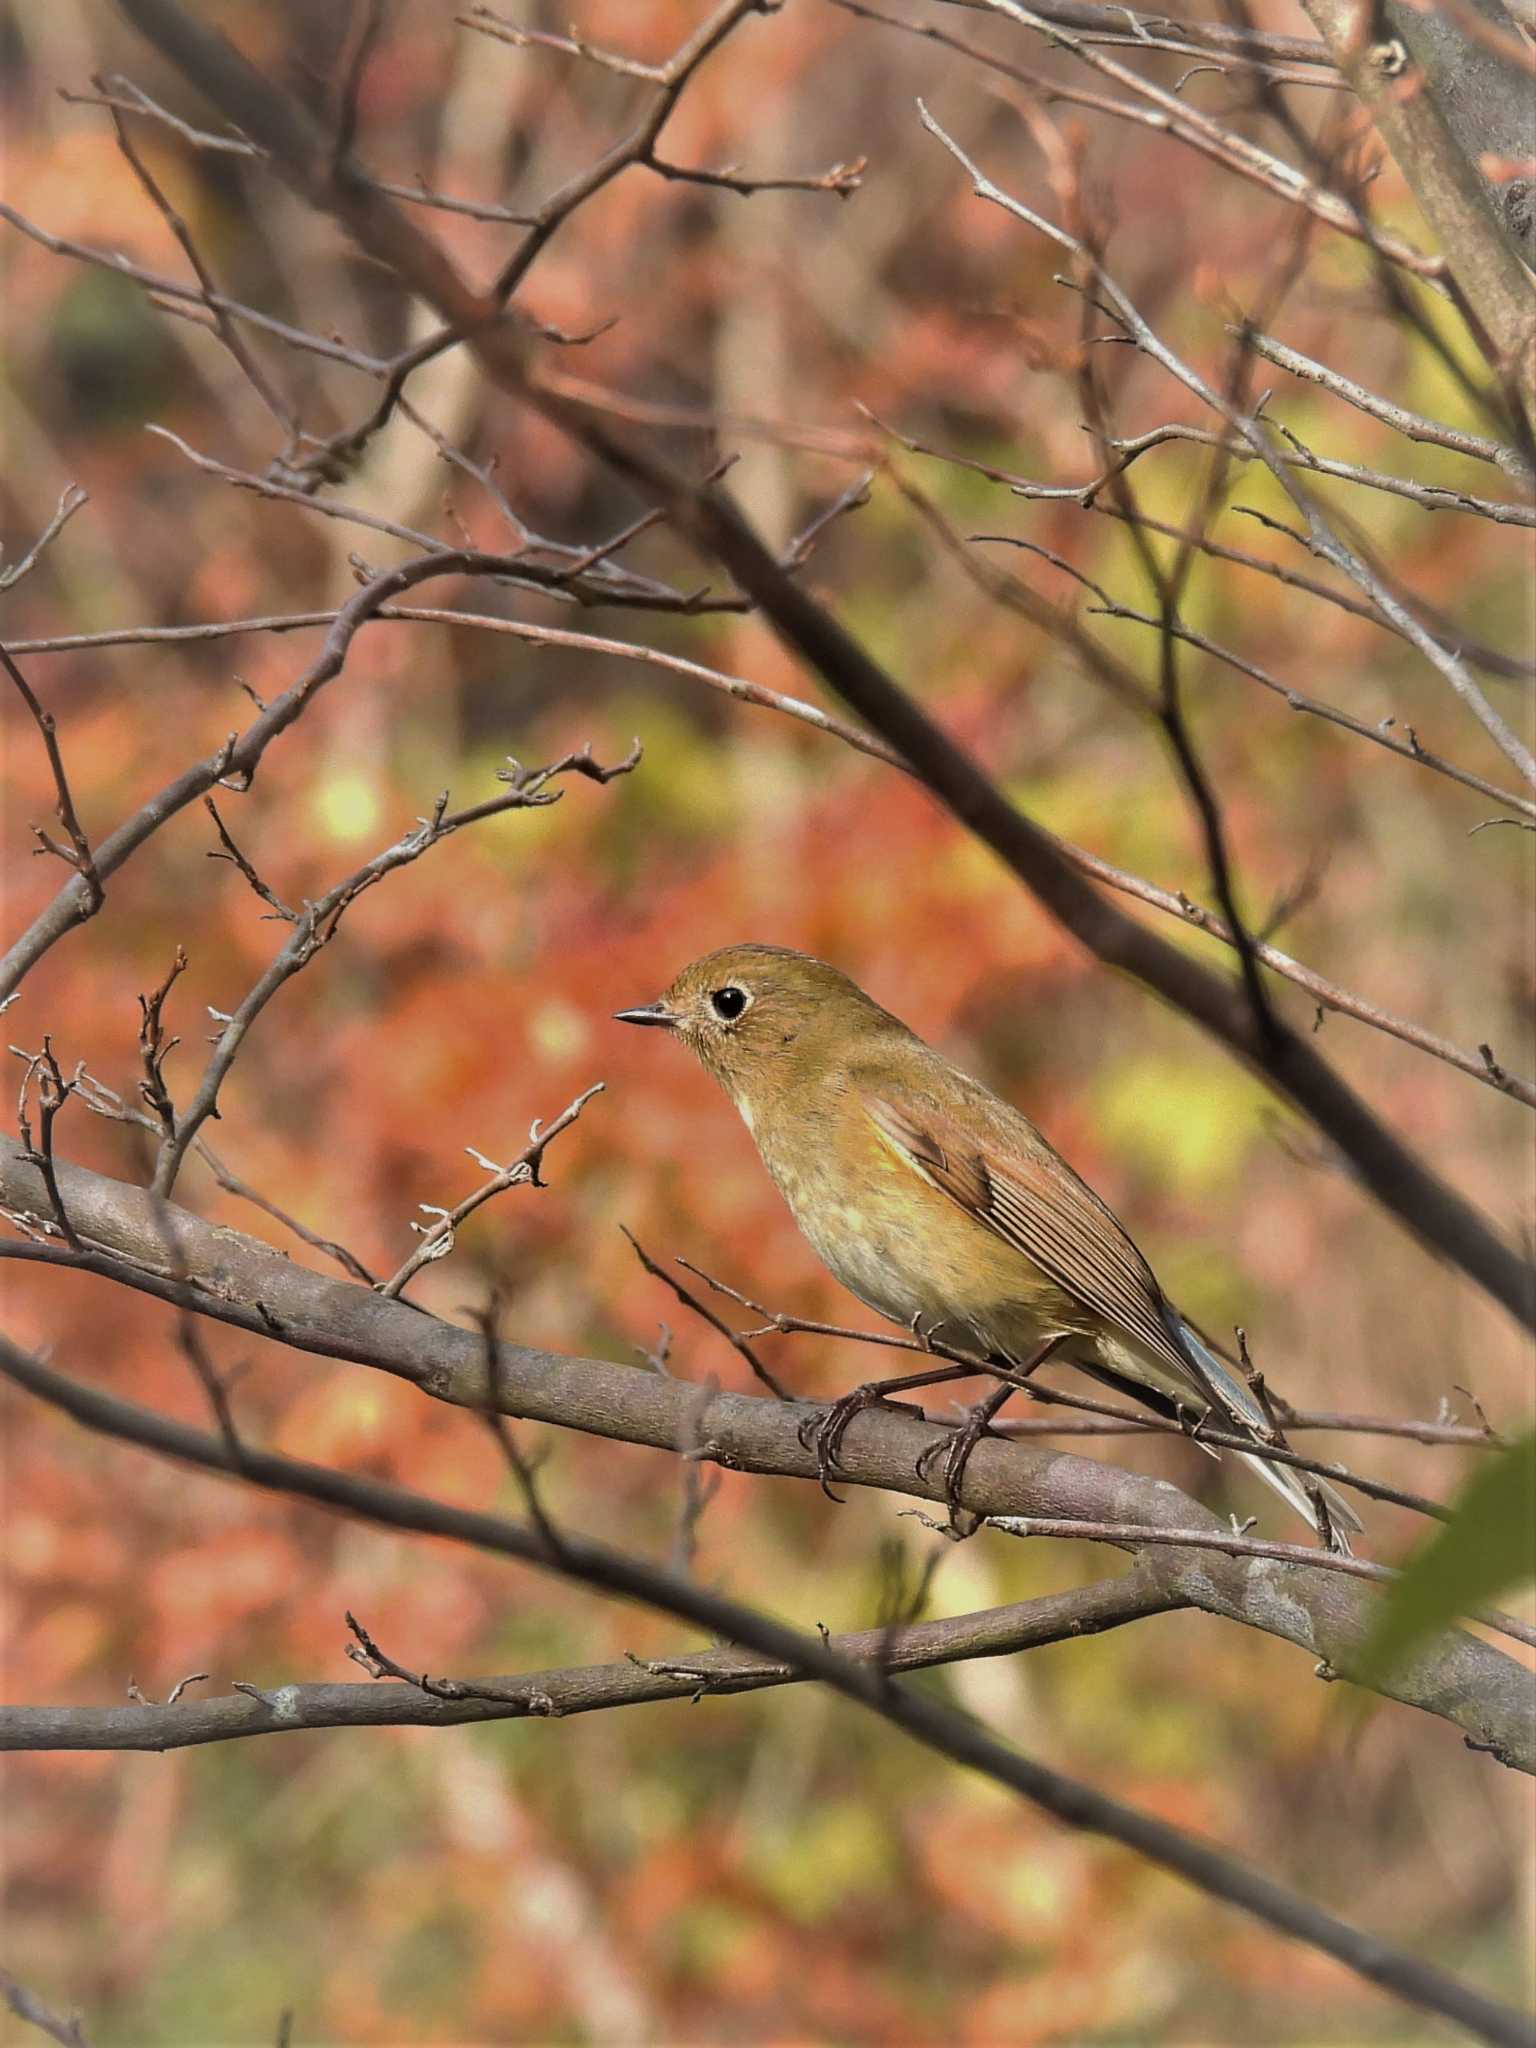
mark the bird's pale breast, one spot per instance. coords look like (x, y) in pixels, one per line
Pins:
(898, 1243)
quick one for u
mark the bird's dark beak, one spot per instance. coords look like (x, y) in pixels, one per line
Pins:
(649, 1013)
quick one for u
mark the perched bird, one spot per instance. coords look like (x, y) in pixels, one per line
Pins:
(943, 1208)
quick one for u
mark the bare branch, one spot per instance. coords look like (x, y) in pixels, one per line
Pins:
(1090, 496)
(1321, 538)
(77, 854)
(239, 1281)
(237, 859)
(1296, 700)
(235, 763)
(223, 324)
(685, 1675)
(53, 1091)
(233, 1185)
(1149, 31)
(1428, 497)
(527, 789)
(437, 1239)
(737, 1342)
(843, 179)
(1166, 111)
(1460, 1435)
(1402, 1182)
(1414, 424)
(70, 501)
(27, 2006)
(586, 578)
(1178, 903)
(937, 1727)
(1172, 903)
(1116, 1419)
(1413, 123)
(155, 1048)
(1236, 1543)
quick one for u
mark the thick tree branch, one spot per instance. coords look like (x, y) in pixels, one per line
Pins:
(1411, 112)
(163, 1250)
(939, 1728)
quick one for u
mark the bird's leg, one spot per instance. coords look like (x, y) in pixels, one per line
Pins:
(962, 1441)
(824, 1431)
(957, 1448)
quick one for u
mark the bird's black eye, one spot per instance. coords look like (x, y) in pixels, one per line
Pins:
(728, 1002)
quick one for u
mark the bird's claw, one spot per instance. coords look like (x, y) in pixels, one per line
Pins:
(956, 1450)
(823, 1431)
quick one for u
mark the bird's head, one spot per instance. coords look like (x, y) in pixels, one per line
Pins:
(761, 1017)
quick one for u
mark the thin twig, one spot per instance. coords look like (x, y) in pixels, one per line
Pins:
(706, 1314)
(1235, 1543)
(237, 859)
(27, 2006)
(232, 1184)
(1415, 425)
(526, 789)
(77, 854)
(437, 1238)
(53, 1091)
(155, 1048)
(70, 501)
(1251, 431)
(1212, 1434)
(1428, 497)
(223, 323)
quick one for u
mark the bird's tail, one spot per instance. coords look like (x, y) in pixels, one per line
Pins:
(1243, 1407)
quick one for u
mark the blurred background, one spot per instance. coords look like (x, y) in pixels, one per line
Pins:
(761, 1870)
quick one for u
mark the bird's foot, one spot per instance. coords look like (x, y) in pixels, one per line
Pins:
(957, 1449)
(824, 1431)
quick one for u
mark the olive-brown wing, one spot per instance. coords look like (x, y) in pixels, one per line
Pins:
(1033, 1201)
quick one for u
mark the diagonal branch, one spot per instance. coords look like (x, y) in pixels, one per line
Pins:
(1410, 117)
(1321, 537)
(935, 1726)
(1175, 903)
(1403, 1183)
(78, 853)
(437, 1239)
(317, 926)
(237, 760)
(71, 498)
(244, 1283)
(688, 1675)
(68, 2032)
(1414, 425)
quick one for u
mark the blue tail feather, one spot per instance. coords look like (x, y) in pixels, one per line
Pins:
(1242, 1406)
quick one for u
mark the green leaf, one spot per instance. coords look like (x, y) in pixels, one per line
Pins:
(1488, 1546)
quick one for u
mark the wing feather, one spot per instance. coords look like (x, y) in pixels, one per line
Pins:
(1022, 1191)
(1036, 1203)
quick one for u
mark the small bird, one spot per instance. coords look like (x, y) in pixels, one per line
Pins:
(945, 1210)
